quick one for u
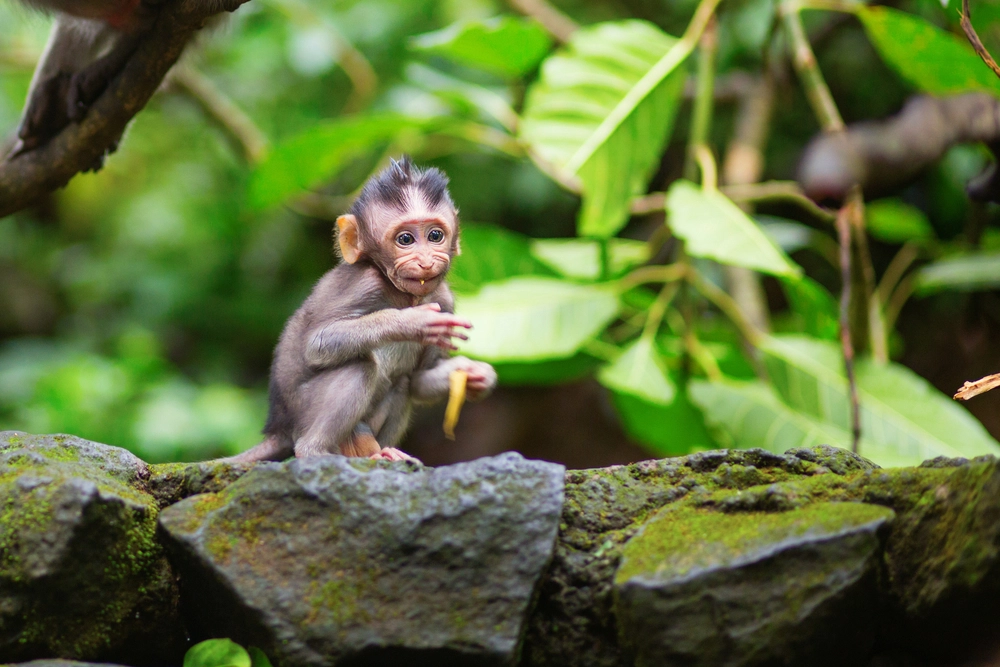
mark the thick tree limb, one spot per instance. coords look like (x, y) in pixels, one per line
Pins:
(886, 154)
(82, 145)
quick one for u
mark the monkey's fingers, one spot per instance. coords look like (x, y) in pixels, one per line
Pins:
(456, 397)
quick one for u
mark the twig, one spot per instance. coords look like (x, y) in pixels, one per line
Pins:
(221, 109)
(727, 305)
(706, 162)
(654, 274)
(844, 236)
(768, 191)
(654, 316)
(977, 44)
(558, 24)
(981, 386)
(894, 273)
(899, 297)
(80, 146)
(701, 115)
(877, 337)
(804, 61)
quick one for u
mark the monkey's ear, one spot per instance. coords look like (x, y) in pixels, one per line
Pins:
(347, 237)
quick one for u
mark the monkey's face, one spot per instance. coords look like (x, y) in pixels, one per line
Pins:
(421, 249)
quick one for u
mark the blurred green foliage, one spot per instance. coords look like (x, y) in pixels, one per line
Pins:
(139, 306)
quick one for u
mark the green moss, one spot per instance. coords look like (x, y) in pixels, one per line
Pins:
(679, 540)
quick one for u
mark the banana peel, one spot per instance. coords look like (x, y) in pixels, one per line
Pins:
(456, 398)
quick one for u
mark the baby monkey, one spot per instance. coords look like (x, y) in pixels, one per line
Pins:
(372, 338)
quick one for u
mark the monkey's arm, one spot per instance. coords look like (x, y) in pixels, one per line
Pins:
(343, 339)
(431, 384)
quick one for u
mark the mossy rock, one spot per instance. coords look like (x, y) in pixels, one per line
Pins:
(170, 483)
(701, 587)
(574, 621)
(325, 560)
(81, 572)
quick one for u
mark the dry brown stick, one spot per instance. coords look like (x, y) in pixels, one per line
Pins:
(81, 145)
(847, 347)
(558, 24)
(981, 386)
(220, 108)
(973, 38)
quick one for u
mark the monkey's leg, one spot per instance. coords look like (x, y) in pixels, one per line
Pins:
(72, 42)
(361, 444)
(338, 401)
(390, 420)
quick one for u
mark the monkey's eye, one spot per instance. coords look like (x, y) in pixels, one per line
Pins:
(436, 236)
(406, 238)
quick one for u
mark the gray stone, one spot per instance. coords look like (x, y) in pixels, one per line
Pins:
(81, 573)
(700, 587)
(331, 560)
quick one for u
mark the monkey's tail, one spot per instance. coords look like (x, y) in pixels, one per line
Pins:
(273, 448)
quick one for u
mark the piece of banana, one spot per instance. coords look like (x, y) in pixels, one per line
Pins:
(456, 397)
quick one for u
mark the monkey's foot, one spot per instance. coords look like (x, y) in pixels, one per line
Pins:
(46, 113)
(393, 454)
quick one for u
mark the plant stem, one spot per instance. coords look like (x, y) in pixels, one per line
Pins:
(894, 273)
(653, 274)
(704, 97)
(727, 305)
(654, 316)
(706, 162)
(804, 61)
(768, 191)
(847, 347)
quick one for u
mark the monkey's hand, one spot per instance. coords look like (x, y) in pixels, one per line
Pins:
(431, 385)
(426, 324)
(481, 380)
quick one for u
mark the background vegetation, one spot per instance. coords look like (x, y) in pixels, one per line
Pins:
(139, 305)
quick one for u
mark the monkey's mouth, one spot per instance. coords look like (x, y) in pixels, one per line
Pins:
(421, 284)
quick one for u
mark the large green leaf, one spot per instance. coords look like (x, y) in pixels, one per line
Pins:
(813, 306)
(672, 430)
(602, 110)
(749, 414)
(894, 221)
(929, 58)
(902, 416)
(217, 653)
(534, 318)
(965, 273)
(316, 155)
(555, 371)
(491, 254)
(639, 372)
(581, 258)
(712, 226)
(504, 45)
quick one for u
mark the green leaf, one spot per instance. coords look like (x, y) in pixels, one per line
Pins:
(217, 653)
(965, 273)
(712, 226)
(258, 658)
(749, 414)
(793, 236)
(638, 372)
(602, 109)
(665, 430)
(555, 371)
(316, 155)
(816, 308)
(893, 221)
(491, 254)
(534, 318)
(504, 45)
(904, 419)
(929, 58)
(581, 258)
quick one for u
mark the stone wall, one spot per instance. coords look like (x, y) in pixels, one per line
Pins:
(813, 557)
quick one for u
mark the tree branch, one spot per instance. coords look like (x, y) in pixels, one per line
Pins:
(226, 113)
(558, 24)
(80, 146)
